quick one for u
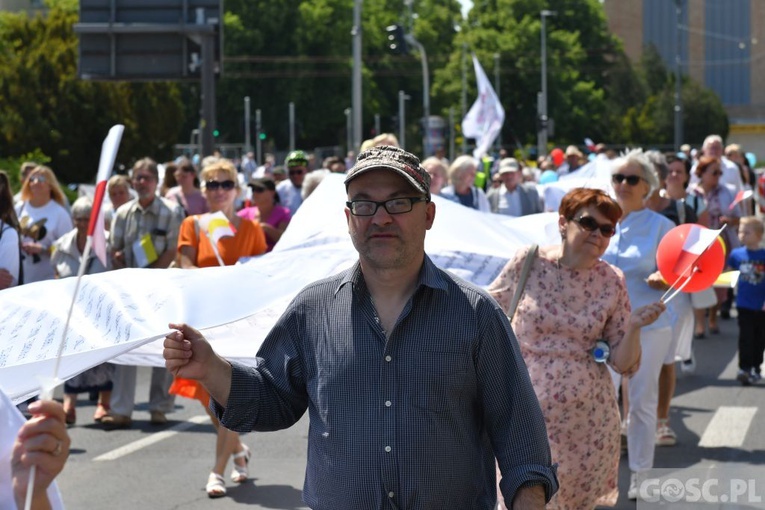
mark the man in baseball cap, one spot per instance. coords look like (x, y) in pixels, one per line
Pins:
(397, 362)
(513, 197)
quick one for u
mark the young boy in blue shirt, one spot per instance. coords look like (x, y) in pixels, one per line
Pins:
(750, 299)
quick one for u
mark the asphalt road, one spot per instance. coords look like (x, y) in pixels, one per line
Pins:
(166, 467)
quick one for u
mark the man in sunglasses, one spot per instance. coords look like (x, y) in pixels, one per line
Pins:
(290, 189)
(412, 378)
(144, 233)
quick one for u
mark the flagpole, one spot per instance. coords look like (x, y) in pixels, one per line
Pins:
(106, 163)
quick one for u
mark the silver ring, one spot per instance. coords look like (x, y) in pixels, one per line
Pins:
(57, 451)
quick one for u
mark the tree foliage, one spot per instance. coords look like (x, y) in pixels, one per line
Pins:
(47, 108)
(652, 119)
(300, 51)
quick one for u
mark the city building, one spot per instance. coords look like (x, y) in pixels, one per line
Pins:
(721, 45)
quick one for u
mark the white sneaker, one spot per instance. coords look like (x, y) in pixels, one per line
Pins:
(632, 493)
(665, 436)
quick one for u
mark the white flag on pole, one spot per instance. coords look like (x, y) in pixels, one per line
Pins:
(485, 118)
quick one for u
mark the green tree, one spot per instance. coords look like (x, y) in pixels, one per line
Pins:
(579, 50)
(47, 107)
(652, 120)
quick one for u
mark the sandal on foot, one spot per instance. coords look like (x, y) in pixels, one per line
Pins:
(241, 473)
(215, 487)
(101, 411)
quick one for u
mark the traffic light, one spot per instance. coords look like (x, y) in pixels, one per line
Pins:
(397, 40)
(262, 136)
(216, 133)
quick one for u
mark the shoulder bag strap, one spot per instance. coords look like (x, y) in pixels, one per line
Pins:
(522, 280)
(680, 205)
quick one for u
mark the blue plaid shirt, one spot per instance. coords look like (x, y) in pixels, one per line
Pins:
(411, 422)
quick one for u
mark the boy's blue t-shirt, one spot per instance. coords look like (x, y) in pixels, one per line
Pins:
(751, 282)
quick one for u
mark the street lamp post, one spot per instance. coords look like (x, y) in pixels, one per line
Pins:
(678, 80)
(499, 99)
(402, 97)
(425, 93)
(463, 98)
(356, 85)
(542, 133)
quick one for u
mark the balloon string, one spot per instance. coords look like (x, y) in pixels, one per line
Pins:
(690, 267)
(678, 290)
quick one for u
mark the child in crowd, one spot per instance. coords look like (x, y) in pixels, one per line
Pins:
(750, 299)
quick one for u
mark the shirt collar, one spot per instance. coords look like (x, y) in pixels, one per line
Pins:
(429, 276)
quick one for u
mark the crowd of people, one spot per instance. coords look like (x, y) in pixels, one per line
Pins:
(552, 375)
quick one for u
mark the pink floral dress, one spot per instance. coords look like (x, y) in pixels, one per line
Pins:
(562, 313)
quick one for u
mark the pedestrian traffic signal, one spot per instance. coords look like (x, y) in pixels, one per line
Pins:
(216, 133)
(262, 136)
(397, 40)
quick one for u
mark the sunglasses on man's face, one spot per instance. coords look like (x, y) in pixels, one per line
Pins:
(632, 180)
(297, 171)
(214, 185)
(590, 225)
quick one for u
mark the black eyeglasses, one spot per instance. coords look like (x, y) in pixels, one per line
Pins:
(226, 185)
(632, 180)
(393, 206)
(590, 225)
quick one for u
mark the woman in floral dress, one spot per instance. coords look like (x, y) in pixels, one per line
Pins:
(570, 301)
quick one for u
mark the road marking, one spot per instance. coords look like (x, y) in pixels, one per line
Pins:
(154, 438)
(728, 427)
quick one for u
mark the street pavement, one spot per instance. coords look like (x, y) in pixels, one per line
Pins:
(166, 467)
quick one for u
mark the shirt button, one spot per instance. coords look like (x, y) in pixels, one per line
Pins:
(387, 403)
(387, 449)
(388, 358)
(390, 494)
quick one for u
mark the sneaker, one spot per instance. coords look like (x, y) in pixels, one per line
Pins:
(688, 366)
(665, 436)
(158, 418)
(754, 377)
(744, 377)
(116, 421)
(632, 493)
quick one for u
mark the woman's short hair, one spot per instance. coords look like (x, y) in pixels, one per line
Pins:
(118, 181)
(671, 157)
(659, 163)
(82, 207)
(579, 198)
(636, 157)
(221, 165)
(704, 163)
(460, 166)
(56, 194)
(438, 164)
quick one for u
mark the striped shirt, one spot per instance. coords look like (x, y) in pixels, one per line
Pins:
(411, 422)
(161, 220)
